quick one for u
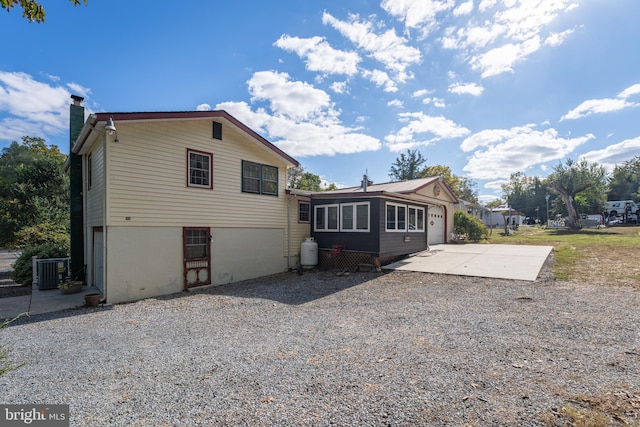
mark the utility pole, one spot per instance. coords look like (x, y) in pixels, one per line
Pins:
(547, 199)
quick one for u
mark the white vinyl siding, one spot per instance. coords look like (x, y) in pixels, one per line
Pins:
(153, 192)
(95, 195)
(299, 230)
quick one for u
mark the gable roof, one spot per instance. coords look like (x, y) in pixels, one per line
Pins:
(96, 118)
(407, 187)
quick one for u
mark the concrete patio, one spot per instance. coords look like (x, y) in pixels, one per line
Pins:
(517, 262)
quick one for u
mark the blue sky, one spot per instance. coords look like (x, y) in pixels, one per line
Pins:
(487, 87)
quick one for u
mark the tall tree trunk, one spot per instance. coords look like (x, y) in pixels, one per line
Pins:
(572, 210)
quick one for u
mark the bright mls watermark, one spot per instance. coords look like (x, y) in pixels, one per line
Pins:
(34, 415)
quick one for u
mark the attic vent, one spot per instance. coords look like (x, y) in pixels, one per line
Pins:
(217, 130)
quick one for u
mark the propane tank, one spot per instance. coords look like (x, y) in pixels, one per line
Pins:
(309, 253)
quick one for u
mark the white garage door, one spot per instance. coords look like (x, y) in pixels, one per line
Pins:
(435, 225)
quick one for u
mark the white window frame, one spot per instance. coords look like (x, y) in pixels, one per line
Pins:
(386, 220)
(416, 209)
(325, 217)
(354, 217)
(209, 170)
(308, 212)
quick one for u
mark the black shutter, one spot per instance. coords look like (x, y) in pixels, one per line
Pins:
(217, 130)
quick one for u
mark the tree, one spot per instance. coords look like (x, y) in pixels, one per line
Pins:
(581, 181)
(34, 191)
(525, 194)
(299, 179)
(625, 182)
(407, 166)
(461, 186)
(31, 9)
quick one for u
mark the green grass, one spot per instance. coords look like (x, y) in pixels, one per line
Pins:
(606, 255)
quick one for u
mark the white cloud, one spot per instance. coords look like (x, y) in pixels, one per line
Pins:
(395, 103)
(595, 106)
(630, 91)
(615, 154)
(319, 55)
(464, 8)
(300, 119)
(436, 128)
(418, 14)
(381, 79)
(33, 108)
(502, 59)
(501, 152)
(388, 48)
(605, 105)
(293, 99)
(511, 32)
(421, 92)
(77, 89)
(495, 185)
(339, 87)
(436, 102)
(466, 88)
(203, 107)
(486, 5)
(556, 39)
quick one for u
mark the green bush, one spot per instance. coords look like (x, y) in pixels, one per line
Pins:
(23, 270)
(40, 234)
(463, 223)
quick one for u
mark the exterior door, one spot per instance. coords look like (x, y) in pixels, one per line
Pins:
(98, 259)
(435, 225)
(197, 256)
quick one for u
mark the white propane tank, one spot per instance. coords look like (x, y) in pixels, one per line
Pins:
(309, 253)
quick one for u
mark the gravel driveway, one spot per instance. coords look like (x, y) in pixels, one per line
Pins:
(366, 349)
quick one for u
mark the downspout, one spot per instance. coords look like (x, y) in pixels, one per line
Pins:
(294, 197)
(426, 225)
(105, 230)
(446, 234)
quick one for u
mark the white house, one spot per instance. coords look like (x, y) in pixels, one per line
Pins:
(174, 200)
(167, 201)
(497, 217)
